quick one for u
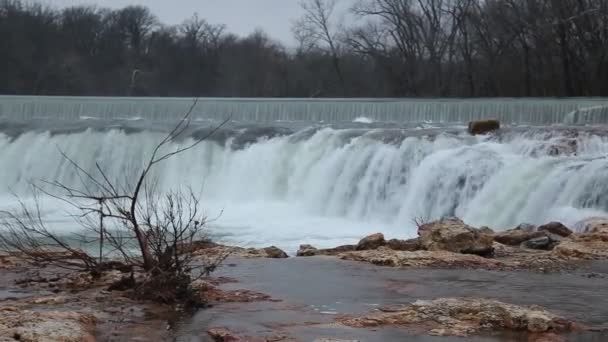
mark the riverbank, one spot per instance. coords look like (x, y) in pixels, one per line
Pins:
(453, 281)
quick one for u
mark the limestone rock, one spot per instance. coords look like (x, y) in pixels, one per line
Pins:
(556, 228)
(404, 245)
(371, 242)
(223, 335)
(463, 317)
(587, 247)
(387, 257)
(47, 326)
(483, 126)
(545, 242)
(594, 225)
(273, 252)
(590, 245)
(215, 250)
(455, 236)
(308, 250)
(516, 236)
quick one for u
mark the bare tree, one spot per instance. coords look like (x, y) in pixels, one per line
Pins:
(316, 27)
(131, 220)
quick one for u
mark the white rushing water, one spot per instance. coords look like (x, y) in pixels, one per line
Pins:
(332, 186)
(533, 111)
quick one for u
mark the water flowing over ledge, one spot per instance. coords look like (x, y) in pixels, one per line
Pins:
(331, 186)
(534, 111)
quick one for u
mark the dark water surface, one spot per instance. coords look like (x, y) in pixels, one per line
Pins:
(317, 289)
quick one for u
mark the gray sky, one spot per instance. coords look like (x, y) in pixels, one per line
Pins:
(240, 16)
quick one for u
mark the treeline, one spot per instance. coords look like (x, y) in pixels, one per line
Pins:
(380, 48)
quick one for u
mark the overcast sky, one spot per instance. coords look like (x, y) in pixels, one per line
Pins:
(241, 16)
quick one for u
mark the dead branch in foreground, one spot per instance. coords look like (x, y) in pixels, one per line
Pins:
(129, 220)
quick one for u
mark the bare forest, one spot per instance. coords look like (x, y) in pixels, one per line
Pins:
(377, 48)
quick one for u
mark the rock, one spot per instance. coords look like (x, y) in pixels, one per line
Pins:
(594, 225)
(273, 252)
(211, 252)
(307, 250)
(223, 335)
(511, 258)
(404, 245)
(586, 247)
(555, 228)
(543, 242)
(371, 242)
(455, 236)
(47, 326)
(387, 257)
(486, 230)
(562, 147)
(463, 317)
(483, 126)
(592, 244)
(516, 236)
(49, 300)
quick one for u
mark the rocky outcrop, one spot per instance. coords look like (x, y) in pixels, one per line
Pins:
(483, 126)
(371, 242)
(455, 236)
(594, 225)
(546, 242)
(592, 245)
(404, 245)
(215, 250)
(463, 317)
(556, 228)
(308, 250)
(47, 326)
(225, 335)
(516, 236)
(563, 147)
(273, 252)
(387, 257)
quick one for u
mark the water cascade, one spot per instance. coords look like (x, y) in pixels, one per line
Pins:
(510, 111)
(326, 185)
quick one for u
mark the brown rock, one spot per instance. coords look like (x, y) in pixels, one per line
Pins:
(308, 250)
(49, 300)
(455, 236)
(273, 252)
(586, 247)
(555, 228)
(590, 245)
(223, 335)
(594, 225)
(483, 126)
(47, 326)
(371, 242)
(514, 237)
(388, 257)
(215, 250)
(404, 245)
(463, 317)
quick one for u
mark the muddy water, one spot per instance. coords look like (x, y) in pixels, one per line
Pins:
(314, 290)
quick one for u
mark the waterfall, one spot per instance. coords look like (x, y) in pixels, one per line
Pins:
(329, 186)
(539, 111)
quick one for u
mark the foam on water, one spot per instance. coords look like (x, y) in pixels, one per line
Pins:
(331, 186)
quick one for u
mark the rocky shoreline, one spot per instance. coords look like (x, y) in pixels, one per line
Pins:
(79, 307)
